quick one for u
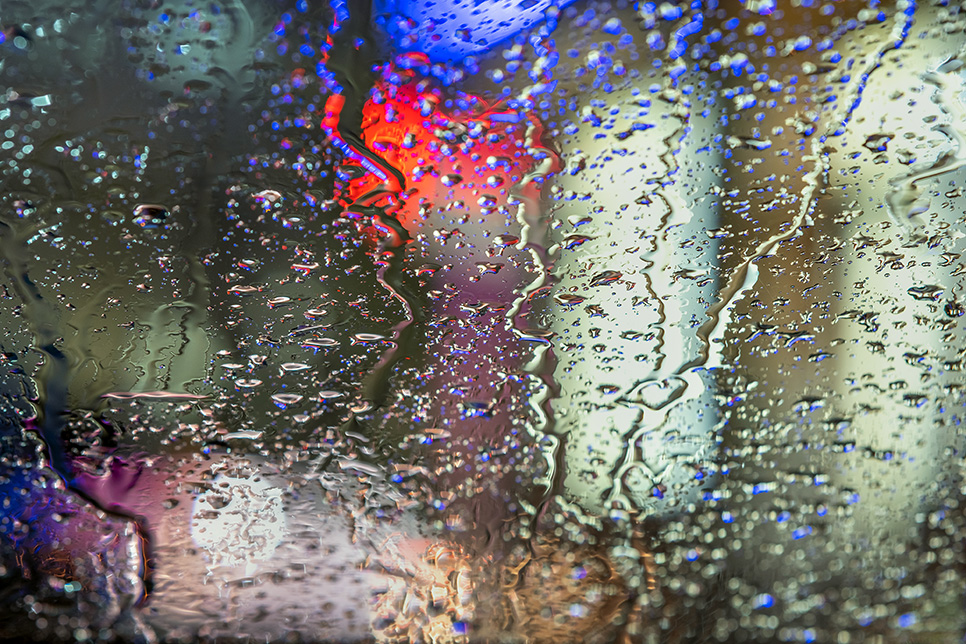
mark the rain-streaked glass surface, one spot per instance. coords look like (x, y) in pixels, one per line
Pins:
(482, 321)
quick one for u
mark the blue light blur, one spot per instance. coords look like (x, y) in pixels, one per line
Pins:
(448, 31)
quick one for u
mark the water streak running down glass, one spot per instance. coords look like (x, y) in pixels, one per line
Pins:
(482, 321)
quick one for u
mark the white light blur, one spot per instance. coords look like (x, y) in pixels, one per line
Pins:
(239, 521)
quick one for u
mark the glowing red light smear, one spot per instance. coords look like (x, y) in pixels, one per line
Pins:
(490, 151)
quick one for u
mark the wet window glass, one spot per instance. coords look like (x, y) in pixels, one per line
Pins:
(450, 321)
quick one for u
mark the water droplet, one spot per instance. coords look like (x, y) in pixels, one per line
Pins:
(413, 59)
(150, 215)
(488, 267)
(428, 269)
(878, 142)
(276, 302)
(571, 242)
(605, 277)
(569, 299)
(320, 343)
(506, 240)
(927, 292)
(242, 289)
(284, 400)
(365, 338)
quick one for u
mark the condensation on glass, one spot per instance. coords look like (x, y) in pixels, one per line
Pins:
(482, 321)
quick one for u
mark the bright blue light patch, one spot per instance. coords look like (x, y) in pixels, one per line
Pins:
(613, 26)
(671, 13)
(906, 620)
(763, 600)
(449, 31)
